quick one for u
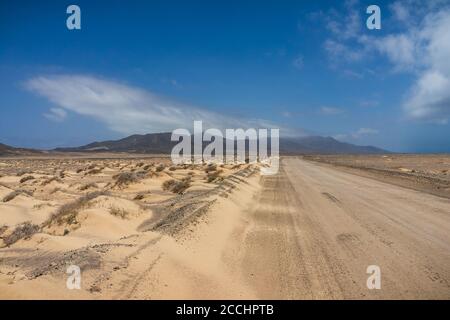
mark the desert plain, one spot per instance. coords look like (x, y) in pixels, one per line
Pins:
(139, 227)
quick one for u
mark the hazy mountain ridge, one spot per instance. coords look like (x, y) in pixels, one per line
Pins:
(155, 143)
(6, 150)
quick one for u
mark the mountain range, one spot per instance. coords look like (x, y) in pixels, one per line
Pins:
(160, 143)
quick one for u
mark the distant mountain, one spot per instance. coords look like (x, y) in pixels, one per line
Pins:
(324, 145)
(160, 143)
(11, 151)
(153, 143)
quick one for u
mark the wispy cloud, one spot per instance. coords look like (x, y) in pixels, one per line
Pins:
(330, 111)
(364, 132)
(360, 133)
(128, 109)
(56, 114)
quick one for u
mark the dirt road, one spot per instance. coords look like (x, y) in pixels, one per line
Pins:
(316, 230)
(310, 232)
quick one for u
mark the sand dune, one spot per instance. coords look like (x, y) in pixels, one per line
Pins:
(143, 229)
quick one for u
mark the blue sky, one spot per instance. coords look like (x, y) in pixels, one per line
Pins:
(308, 67)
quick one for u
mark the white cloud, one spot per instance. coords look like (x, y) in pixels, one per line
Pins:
(338, 51)
(127, 109)
(344, 26)
(330, 111)
(364, 132)
(430, 98)
(360, 133)
(399, 48)
(56, 114)
(340, 136)
(422, 49)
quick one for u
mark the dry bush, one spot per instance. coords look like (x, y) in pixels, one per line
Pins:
(94, 171)
(22, 172)
(88, 186)
(40, 206)
(118, 212)
(80, 170)
(172, 168)
(50, 180)
(23, 231)
(92, 166)
(139, 196)
(10, 196)
(177, 186)
(67, 214)
(26, 178)
(125, 178)
(160, 167)
(147, 167)
(140, 164)
(211, 167)
(213, 175)
(3, 229)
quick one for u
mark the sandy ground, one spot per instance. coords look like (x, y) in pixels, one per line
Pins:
(309, 232)
(423, 172)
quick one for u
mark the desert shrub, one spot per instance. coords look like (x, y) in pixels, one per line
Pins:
(167, 185)
(10, 196)
(67, 213)
(94, 171)
(80, 170)
(50, 180)
(3, 229)
(40, 206)
(139, 196)
(26, 178)
(88, 186)
(118, 212)
(22, 231)
(92, 166)
(172, 168)
(160, 167)
(147, 167)
(22, 172)
(125, 178)
(211, 167)
(213, 175)
(176, 186)
(140, 164)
